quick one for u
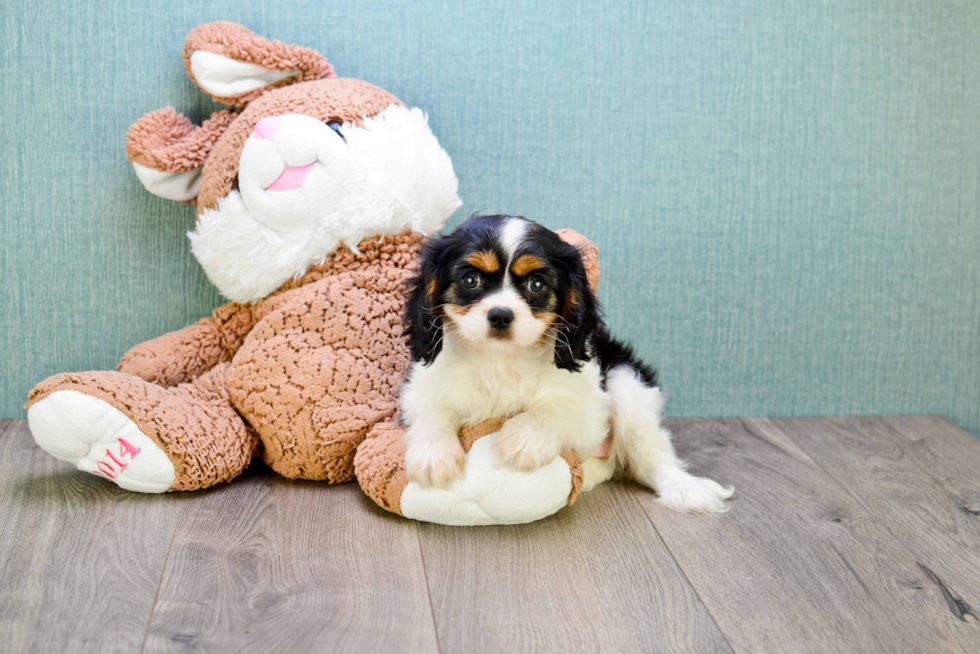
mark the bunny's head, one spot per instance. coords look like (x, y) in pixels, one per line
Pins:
(302, 163)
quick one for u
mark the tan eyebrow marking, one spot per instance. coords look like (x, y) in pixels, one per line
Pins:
(484, 260)
(525, 264)
(433, 290)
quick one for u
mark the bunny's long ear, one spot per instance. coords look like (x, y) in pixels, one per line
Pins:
(234, 66)
(168, 151)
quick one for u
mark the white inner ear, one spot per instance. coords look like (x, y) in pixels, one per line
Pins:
(171, 186)
(224, 78)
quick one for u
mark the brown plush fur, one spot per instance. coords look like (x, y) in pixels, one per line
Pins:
(195, 423)
(302, 375)
(167, 141)
(236, 42)
(306, 372)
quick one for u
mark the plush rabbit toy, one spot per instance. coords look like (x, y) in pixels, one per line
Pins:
(313, 194)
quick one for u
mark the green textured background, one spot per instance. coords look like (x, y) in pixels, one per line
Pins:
(785, 193)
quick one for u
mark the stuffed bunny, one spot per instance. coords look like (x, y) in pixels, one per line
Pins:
(312, 194)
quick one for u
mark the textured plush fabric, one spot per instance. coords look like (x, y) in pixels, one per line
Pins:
(194, 424)
(379, 465)
(785, 193)
(306, 373)
(311, 365)
(182, 355)
(166, 140)
(242, 44)
(317, 373)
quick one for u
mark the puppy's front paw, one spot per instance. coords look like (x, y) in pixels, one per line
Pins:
(524, 444)
(428, 464)
(681, 491)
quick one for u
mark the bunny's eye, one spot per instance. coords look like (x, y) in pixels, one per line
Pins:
(335, 126)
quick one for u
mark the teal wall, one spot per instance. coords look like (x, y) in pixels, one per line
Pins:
(785, 194)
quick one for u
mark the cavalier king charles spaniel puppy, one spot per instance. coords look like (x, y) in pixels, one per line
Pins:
(501, 321)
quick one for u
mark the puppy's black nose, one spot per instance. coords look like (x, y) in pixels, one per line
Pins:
(500, 318)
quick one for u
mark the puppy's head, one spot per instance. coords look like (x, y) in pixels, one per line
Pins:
(503, 283)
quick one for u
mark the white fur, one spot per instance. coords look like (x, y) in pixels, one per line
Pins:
(553, 409)
(384, 178)
(525, 331)
(478, 376)
(511, 235)
(223, 77)
(642, 449)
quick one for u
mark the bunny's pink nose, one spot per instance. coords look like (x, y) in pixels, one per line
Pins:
(267, 127)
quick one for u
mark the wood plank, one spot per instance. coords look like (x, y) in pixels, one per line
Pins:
(798, 564)
(266, 564)
(941, 442)
(921, 477)
(80, 560)
(594, 577)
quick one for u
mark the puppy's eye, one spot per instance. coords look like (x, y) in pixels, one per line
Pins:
(470, 281)
(536, 286)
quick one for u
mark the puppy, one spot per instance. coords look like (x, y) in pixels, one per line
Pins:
(501, 321)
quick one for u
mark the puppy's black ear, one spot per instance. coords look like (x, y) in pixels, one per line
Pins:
(580, 318)
(422, 316)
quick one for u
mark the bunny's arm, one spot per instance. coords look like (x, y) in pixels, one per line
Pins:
(183, 355)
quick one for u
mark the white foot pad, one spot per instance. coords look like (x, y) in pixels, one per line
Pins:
(98, 438)
(681, 491)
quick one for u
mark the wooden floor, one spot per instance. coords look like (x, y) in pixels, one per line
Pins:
(845, 535)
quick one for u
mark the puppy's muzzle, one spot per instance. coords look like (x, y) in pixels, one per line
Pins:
(500, 319)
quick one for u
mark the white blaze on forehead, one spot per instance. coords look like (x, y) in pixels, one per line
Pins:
(511, 236)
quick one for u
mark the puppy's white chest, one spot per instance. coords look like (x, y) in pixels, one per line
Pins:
(496, 389)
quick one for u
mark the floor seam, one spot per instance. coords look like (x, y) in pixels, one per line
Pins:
(156, 596)
(639, 504)
(428, 590)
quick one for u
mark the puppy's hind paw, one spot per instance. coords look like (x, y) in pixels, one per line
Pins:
(429, 466)
(683, 492)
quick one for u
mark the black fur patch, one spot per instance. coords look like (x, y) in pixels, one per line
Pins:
(443, 262)
(612, 353)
